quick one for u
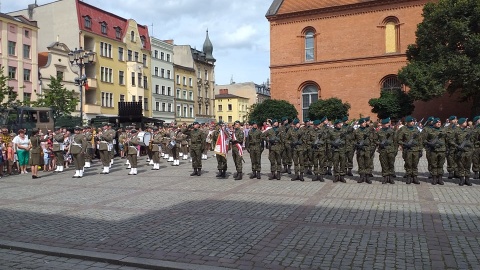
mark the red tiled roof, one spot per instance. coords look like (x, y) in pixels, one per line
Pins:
(42, 59)
(98, 16)
(292, 6)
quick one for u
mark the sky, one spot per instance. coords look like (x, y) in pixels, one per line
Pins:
(238, 29)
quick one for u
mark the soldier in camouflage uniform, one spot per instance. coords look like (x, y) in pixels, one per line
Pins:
(237, 151)
(274, 138)
(197, 140)
(476, 149)
(363, 138)
(309, 134)
(350, 146)
(385, 140)
(319, 148)
(336, 139)
(255, 144)
(435, 141)
(372, 147)
(287, 153)
(221, 157)
(464, 144)
(450, 154)
(428, 151)
(297, 137)
(411, 141)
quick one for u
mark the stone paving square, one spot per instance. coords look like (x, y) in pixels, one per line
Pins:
(170, 216)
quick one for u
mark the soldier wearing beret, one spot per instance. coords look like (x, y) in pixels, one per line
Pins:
(89, 137)
(298, 138)
(363, 138)
(476, 148)
(221, 149)
(450, 154)
(132, 151)
(255, 144)
(58, 148)
(464, 144)
(386, 147)
(319, 148)
(349, 147)
(77, 149)
(287, 153)
(435, 141)
(197, 140)
(428, 153)
(156, 147)
(105, 146)
(237, 151)
(336, 139)
(411, 141)
(274, 137)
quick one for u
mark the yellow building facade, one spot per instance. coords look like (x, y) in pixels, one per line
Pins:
(185, 95)
(230, 108)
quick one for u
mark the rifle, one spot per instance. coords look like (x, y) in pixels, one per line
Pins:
(360, 145)
(318, 141)
(410, 143)
(434, 142)
(297, 142)
(461, 147)
(384, 143)
(338, 141)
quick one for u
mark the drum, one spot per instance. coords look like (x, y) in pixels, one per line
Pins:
(172, 144)
(144, 138)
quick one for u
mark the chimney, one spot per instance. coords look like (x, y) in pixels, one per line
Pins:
(223, 91)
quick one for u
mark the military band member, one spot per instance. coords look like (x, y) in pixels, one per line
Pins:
(173, 146)
(435, 141)
(363, 138)
(336, 139)
(274, 138)
(132, 151)
(58, 149)
(106, 146)
(237, 149)
(476, 148)
(181, 145)
(386, 148)
(89, 136)
(255, 145)
(410, 139)
(156, 148)
(149, 146)
(126, 136)
(197, 140)
(184, 144)
(77, 149)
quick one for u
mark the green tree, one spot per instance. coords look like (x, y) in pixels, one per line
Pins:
(392, 103)
(332, 108)
(57, 97)
(272, 109)
(446, 55)
(8, 97)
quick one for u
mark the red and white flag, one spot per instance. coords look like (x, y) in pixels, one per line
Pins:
(238, 145)
(221, 147)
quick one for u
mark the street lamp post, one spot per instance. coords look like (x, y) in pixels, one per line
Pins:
(80, 58)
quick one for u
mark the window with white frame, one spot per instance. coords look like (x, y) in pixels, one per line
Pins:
(26, 51)
(169, 91)
(157, 106)
(157, 88)
(106, 74)
(26, 75)
(120, 54)
(191, 112)
(156, 71)
(179, 111)
(12, 48)
(164, 107)
(178, 79)
(162, 73)
(190, 82)
(12, 73)
(107, 99)
(122, 98)
(121, 77)
(106, 49)
(170, 107)
(168, 74)
(163, 89)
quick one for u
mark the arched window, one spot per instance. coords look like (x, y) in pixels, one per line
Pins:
(392, 34)
(391, 83)
(309, 95)
(87, 22)
(132, 36)
(309, 45)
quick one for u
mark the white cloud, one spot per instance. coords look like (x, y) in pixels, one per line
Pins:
(238, 30)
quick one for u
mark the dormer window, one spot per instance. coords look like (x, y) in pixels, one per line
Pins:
(132, 36)
(118, 32)
(103, 26)
(142, 38)
(87, 22)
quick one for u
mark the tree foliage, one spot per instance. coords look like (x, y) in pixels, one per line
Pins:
(446, 55)
(8, 97)
(332, 108)
(57, 97)
(272, 109)
(394, 103)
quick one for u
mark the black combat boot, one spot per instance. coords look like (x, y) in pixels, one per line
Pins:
(476, 176)
(467, 181)
(336, 178)
(361, 179)
(235, 175)
(456, 175)
(385, 180)
(342, 179)
(279, 175)
(320, 178)
(272, 176)
(296, 177)
(368, 180)
(369, 174)
(315, 177)
(253, 175)
(390, 180)
(309, 171)
(289, 169)
(450, 175)
(409, 179)
(394, 175)
(415, 180)
(258, 175)
(239, 176)
(462, 181)
(219, 174)
(329, 171)
(430, 176)
(199, 171)
(434, 180)
(284, 169)
(440, 180)
(349, 172)
(194, 172)
(301, 177)
(224, 173)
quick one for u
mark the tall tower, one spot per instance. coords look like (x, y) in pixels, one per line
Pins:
(208, 50)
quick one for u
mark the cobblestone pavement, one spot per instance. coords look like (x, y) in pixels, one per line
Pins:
(193, 222)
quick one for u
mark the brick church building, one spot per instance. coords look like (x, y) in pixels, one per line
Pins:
(349, 49)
